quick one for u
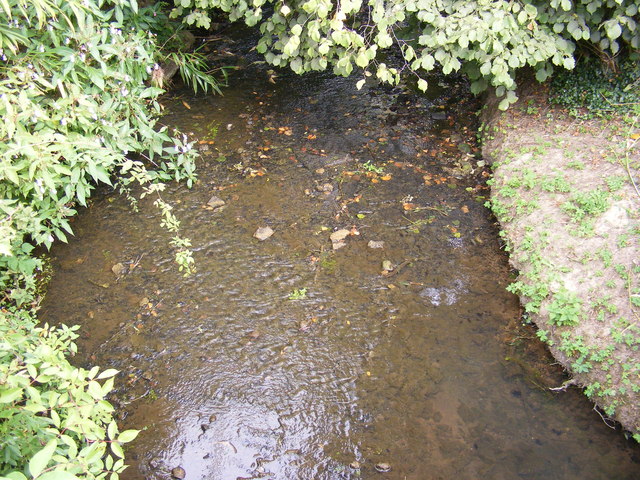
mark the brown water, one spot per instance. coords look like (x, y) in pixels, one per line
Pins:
(232, 379)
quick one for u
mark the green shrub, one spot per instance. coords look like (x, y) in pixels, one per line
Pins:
(78, 109)
(55, 423)
(599, 89)
(487, 39)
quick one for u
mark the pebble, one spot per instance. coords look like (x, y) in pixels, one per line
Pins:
(383, 467)
(119, 269)
(179, 473)
(326, 188)
(339, 235)
(337, 238)
(216, 202)
(263, 233)
(375, 244)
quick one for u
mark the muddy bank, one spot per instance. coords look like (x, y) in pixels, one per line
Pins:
(564, 193)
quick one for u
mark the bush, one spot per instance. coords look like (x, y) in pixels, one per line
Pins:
(595, 87)
(487, 39)
(55, 422)
(78, 110)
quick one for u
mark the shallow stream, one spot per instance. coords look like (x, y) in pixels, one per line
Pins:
(289, 359)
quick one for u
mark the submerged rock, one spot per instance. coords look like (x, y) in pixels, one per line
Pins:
(337, 238)
(263, 233)
(216, 202)
(178, 473)
(119, 269)
(325, 188)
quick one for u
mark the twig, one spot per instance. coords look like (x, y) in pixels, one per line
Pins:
(606, 420)
(618, 104)
(626, 164)
(564, 386)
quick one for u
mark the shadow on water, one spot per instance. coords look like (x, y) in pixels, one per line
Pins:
(374, 367)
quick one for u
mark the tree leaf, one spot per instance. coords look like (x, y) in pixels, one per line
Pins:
(58, 475)
(11, 394)
(41, 459)
(128, 436)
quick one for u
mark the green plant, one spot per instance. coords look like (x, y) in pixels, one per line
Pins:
(298, 294)
(370, 167)
(56, 423)
(565, 308)
(597, 87)
(585, 205)
(486, 39)
(78, 110)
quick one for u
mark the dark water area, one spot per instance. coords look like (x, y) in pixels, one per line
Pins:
(289, 359)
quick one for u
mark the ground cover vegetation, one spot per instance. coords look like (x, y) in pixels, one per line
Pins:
(488, 40)
(78, 99)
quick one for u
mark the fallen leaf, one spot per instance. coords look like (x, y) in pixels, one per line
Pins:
(386, 177)
(635, 136)
(186, 105)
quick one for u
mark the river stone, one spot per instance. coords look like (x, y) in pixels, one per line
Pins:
(263, 233)
(216, 202)
(383, 467)
(338, 237)
(178, 473)
(119, 269)
(375, 244)
(326, 188)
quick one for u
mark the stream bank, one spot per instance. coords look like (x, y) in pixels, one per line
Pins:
(564, 194)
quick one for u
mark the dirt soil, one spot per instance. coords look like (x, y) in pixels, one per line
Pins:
(565, 191)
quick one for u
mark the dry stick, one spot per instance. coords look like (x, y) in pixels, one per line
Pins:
(618, 104)
(564, 386)
(626, 164)
(605, 420)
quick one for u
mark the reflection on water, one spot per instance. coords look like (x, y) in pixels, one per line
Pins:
(233, 379)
